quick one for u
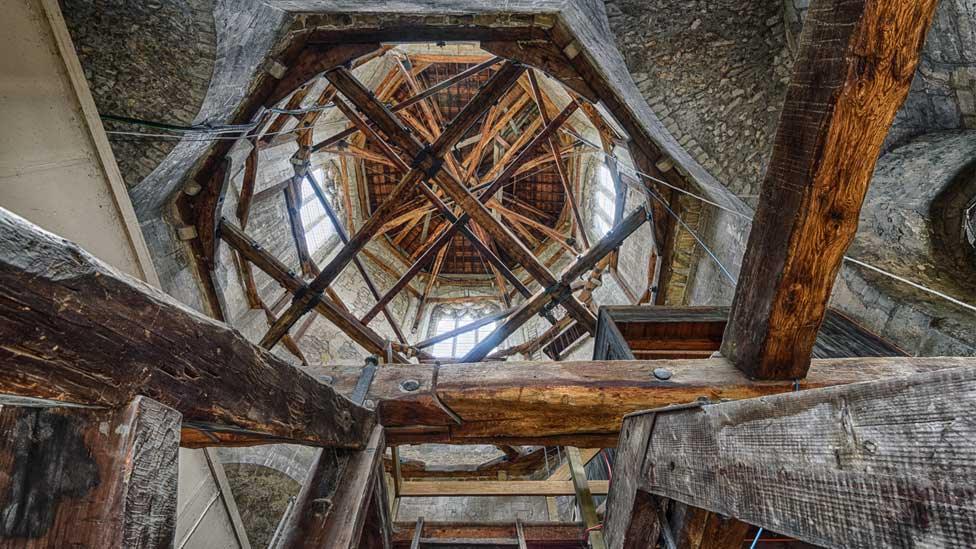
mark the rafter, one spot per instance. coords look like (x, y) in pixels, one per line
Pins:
(460, 77)
(556, 150)
(344, 238)
(343, 80)
(558, 292)
(342, 319)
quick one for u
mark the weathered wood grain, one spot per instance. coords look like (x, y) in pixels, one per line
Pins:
(73, 329)
(332, 507)
(576, 403)
(888, 463)
(82, 477)
(631, 516)
(856, 62)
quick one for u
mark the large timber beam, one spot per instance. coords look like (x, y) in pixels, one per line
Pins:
(856, 63)
(426, 163)
(558, 292)
(882, 464)
(573, 403)
(75, 330)
(82, 477)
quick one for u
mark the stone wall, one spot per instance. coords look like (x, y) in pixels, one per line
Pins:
(147, 60)
(715, 73)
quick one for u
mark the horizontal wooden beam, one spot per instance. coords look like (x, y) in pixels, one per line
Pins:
(74, 329)
(537, 534)
(887, 463)
(574, 403)
(459, 488)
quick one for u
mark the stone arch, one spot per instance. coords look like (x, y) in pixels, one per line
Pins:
(911, 221)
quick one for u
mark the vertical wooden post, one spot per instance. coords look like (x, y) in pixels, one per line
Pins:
(86, 477)
(333, 505)
(584, 497)
(631, 519)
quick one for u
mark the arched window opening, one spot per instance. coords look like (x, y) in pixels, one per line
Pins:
(449, 317)
(604, 200)
(318, 227)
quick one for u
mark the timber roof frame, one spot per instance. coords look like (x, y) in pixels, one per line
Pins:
(325, 41)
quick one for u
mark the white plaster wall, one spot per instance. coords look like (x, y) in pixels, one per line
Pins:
(56, 168)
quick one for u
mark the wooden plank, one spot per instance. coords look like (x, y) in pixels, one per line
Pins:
(73, 329)
(537, 534)
(576, 403)
(77, 477)
(880, 464)
(697, 528)
(631, 519)
(856, 63)
(332, 507)
(459, 488)
(585, 489)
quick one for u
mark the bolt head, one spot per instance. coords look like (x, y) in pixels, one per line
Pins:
(662, 373)
(409, 385)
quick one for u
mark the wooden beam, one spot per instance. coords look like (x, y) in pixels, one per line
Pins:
(537, 534)
(344, 238)
(464, 329)
(585, 490)
(575, 403)
(341, 318)
(460, 77)
(332, 507)
(631, 519)
(856, 63)
(75, 330)
(557, 292)
(697, 528)
(554, 147)
(81, 477)
(247, 185)
(466, 488)
(880, 464)
(343, 80)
